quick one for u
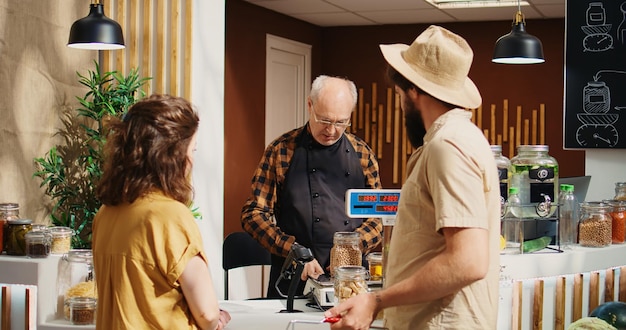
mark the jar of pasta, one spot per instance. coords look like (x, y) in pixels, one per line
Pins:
(349, 281)
(595, 225)
(76, 277)
(61, 239)
(346, 250)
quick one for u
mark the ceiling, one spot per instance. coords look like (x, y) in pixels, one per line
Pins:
(377, 12)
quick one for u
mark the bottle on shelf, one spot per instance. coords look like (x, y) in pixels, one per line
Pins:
(512, 226)
(568, 216)
(514, 203)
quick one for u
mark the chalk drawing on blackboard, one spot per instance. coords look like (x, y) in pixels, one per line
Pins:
(597, 37)
(621, 28)
(597, 128)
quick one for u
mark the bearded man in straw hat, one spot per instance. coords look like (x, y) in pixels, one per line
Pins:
(443, 264)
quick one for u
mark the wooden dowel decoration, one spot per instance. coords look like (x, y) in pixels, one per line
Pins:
(511, 143)
(486, 134)
(492, 127)
(577, 308)
(360, 115)
(380, 126)
(162, 52)
(479, 117)
(505, 120)
(188, 48)
(538, 305)
(374, 96)
(474, 117)
(526, 131)
(559, 304)
(132, 43)
(533, 125)
(499, 139)
(121, 19)
(367, 123)
(396, 139)
(542, 124)
(389, 112)
(622, 283)
(6, 307)
(594, 290)
(609, 285)
(374, 114)
(175, 51)
(518, 127)
(148, 41)
(373, 144)
(516, 306)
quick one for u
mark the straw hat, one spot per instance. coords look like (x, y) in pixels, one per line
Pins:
(438, 62)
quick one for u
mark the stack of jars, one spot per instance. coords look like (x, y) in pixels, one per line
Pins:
(604, 223)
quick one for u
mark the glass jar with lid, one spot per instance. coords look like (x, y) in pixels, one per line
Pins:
(61, 239)
(16, 236)
(37, 244)
(8, 211)
(504, 166)
(346, 250)
(536, 174)
(375, 265)
(618, 220)
(620, 191)
(595, 225)
(76, 277)
(349, 281)
(82, 310)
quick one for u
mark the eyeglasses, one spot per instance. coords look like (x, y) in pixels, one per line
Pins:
(337, 124)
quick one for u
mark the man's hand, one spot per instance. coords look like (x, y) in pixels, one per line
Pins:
(311, 269)
(357, 312)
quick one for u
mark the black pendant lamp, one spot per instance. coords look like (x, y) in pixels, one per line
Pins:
(96, 31)
(518, 47)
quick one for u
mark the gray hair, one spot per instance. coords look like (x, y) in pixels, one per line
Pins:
(320, 82)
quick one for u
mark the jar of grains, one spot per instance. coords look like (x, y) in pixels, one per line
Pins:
(8, 211)
(618, 217)
(349, 281)
(346, 250)
(61, 239)
(82, 310)
(620, 191)
(16, 236)
(595, 225)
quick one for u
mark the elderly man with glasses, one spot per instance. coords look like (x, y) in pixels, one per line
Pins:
(298, 189)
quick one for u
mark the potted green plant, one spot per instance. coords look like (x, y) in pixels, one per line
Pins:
(70, 171)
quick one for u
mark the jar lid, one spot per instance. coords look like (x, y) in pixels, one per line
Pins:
(375, 256)
(20, 222)
(40, 228)
(36, 235)
(9, 206)
(496, 148)
(80, 255)
(61, 231)
(82, 302)
(534, 147)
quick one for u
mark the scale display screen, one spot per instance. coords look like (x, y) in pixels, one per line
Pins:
(372, 203)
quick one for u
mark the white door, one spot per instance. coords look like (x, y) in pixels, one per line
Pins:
(287, 85)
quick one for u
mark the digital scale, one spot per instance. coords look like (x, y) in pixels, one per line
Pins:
(360, 203)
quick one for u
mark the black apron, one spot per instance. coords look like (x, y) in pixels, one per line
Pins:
(311, 201)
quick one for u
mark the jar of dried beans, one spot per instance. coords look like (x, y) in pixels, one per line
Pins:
(618, 217)
(346, 250)
(349, 281)
(595, 226)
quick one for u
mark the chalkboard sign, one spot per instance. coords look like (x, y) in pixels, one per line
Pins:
(595, 74)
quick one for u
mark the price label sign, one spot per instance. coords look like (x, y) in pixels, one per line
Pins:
(372, 203)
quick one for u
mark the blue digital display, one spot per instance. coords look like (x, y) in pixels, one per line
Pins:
(371, 203)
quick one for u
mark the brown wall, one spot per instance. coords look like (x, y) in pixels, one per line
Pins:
(353, 52)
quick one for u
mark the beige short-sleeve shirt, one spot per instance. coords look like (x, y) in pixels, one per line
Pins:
(452, 181)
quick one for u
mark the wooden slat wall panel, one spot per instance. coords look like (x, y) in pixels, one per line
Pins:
(158, 37)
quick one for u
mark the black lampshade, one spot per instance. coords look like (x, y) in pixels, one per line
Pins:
(518, 47)
(96, 31)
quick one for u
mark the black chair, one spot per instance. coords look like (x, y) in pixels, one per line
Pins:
(240, 250)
